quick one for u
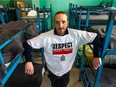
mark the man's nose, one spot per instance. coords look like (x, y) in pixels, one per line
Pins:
(60, 25)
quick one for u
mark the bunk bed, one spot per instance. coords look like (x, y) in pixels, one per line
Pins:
(11, 53)
(88, 15)
(10, 41)
(95, 16)
(11, 12)
(73, 9)
(91, 77)
(41, 16)
(81, 18)
(2, 17)
(8, 13)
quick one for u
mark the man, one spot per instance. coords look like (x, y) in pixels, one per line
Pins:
(60, 48)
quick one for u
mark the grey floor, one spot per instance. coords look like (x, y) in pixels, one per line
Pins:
(74, 79)
(108, 78)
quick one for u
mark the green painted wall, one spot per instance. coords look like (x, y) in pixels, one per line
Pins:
(4, 2)
(114, 4)
(36, 3)
(110, 2)
(63, 5)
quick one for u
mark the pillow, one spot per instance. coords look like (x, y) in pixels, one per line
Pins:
(32, 13)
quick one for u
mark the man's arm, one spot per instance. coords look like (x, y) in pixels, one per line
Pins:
(27, 52)
(29, 68)
(97, 43)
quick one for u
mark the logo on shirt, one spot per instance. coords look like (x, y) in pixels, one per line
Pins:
(62, 58)
(62, 48)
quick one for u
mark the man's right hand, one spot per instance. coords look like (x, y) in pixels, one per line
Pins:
(29, 68)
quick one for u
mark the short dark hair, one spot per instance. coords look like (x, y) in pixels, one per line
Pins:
(60, 12)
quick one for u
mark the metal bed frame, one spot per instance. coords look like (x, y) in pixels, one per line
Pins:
(39, 19)
(3, 15)
(105, 51)
(6, 13)
(16, 60)
(77, 13)
(73, 14)
(74, 11)
(22, 28)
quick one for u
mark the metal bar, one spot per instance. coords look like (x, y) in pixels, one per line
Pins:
(5, 13)
(111, 52)
(18, 14)
(11, 68)
(9, 40)
(80, 18)
(1, 58)
(2, 17)
(87, 17)
(82, 63)
(105, 46)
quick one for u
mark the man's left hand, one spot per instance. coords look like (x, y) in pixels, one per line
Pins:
(96, 63)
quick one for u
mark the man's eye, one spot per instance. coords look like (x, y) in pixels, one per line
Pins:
(63, 22)
(57, 22)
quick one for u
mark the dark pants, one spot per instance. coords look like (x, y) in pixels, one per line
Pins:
(59, 81)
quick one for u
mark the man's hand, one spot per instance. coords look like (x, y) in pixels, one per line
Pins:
(96, 63)
(29, 69)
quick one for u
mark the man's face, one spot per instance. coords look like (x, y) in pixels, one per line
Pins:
(61, 23)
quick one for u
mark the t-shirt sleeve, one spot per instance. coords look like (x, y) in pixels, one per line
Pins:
(36, 42)
(86, 37)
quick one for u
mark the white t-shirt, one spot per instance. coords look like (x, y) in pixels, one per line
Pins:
(60, 51)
